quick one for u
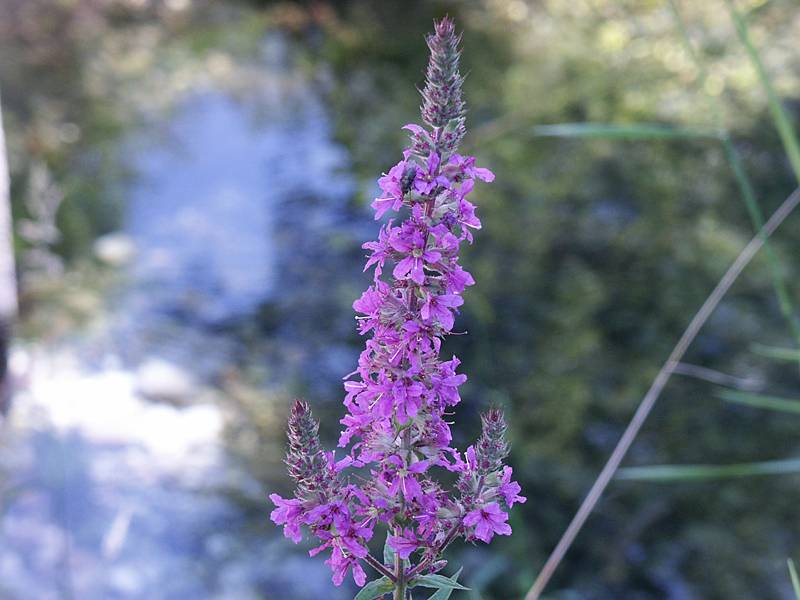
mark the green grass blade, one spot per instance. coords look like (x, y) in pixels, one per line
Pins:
(779, 116)
(777, 353)
(757, 218)
(709, 472)
(743, 182)
(787, 405)
(794, 577)
(634, 131)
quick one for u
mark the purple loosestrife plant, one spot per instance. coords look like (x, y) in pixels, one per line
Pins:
(399, 398)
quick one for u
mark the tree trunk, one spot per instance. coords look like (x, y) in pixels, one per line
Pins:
(8, 278)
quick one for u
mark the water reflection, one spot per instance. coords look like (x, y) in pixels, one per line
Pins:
(118, 481)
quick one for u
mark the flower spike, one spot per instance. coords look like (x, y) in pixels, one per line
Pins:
(400, 398)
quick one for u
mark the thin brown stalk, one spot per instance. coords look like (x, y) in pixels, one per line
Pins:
(649, 400)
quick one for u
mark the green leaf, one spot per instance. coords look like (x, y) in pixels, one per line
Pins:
(388, 552)
(791, 354)
(761, 401)
(706, 472)
(439, 582)
(444, 593)
(375, 589)
(795, 578)
(635, 131)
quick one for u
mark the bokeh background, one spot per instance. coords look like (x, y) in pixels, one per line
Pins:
(190, 183)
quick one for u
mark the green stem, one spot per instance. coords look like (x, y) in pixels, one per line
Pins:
(400, 591)
(400, 584)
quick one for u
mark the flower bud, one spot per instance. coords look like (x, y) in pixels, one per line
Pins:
(442, 104)
(306, 461)
(492, 447)
(438, 566)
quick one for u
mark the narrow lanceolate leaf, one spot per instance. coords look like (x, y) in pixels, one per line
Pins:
(782, 123)
(777, 353)
(444, 593)
(388, 553)
(709, 472)
(375, 589)
(439, 582)
(795, 578)
(635, 131)
(761, 401)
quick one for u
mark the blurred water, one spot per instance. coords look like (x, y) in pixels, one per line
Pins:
(117, 483)
(201, 215)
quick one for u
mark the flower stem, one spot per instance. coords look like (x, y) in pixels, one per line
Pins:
(371, 561)
(400, 582)
(400, 591)
(423, 565)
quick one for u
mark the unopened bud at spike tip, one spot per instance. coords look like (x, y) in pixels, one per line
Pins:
(306, 461)
(492, 447)
(443, 107)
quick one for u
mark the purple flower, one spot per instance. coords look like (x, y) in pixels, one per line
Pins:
(446, 382)
(445, 240)
(466, 166)
(380, 251)
(439, 308)
(404, 544)
(403, 394)
(354, 538)
(510, 490)
(466, 211)
(472, 462)
(393, 185)
(404, 478)
(412, 241)
(488, 521)
(325, 515)
(288, 513)
(457, 279)
(340, 563)
(428, 178)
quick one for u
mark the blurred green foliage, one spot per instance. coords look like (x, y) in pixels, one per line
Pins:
(594, 254)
